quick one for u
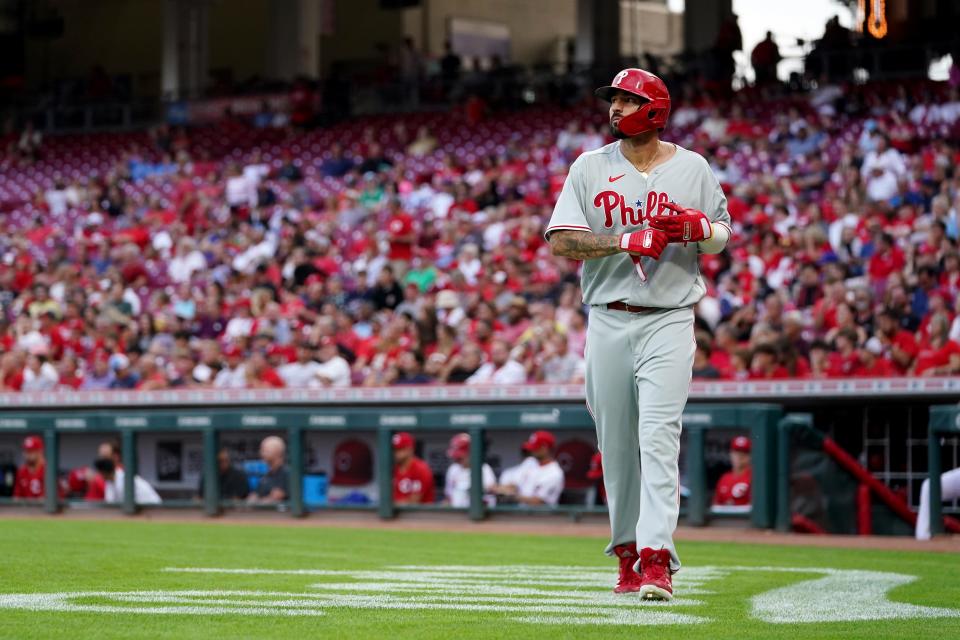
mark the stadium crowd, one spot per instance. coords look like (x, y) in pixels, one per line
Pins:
(408, 249)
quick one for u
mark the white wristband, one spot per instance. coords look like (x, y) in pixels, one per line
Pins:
(719, 236)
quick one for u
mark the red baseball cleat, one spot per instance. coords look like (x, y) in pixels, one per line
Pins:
(629, 580)
(655, 582)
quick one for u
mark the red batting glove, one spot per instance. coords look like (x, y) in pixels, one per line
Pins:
(648, 243)
(689, 225)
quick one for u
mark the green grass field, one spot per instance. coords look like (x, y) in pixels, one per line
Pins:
(111, 579)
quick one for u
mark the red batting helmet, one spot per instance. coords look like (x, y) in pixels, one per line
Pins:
(651, 115)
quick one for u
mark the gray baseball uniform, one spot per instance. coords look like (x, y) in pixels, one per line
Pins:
(639, 364)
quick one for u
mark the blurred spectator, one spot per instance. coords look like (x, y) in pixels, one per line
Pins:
(501, 369)
(538, 480)
(28, 146)
(113, 479)
(456, 488)
(702, 368)
(558, 364)
(765, 57)
(273, 486)
(412, 478)
(233, 481)
(733, 488)
(124, 376)
(30, 481)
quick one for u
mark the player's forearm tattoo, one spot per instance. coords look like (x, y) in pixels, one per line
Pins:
(583, 245)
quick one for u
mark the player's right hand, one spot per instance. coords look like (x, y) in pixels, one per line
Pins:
(648, 243)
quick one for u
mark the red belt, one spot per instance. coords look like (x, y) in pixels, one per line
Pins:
(629, 308)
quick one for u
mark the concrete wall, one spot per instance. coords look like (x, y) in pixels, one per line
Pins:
(124, 37)
(536, 26)
(358, 25)
(239, 36)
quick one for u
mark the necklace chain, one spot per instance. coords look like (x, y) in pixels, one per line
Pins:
(652, 160)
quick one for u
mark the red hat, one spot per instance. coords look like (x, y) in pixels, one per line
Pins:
(459, 446)
(740, 443)
(539, 439)
(232, 350)
(32, 443)
(402, 440)
(352, 463)
(652, 114)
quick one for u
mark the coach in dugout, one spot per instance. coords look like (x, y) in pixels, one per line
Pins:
(233, 482)
(733, 488)
(29, 480)
(538, 480)
(274, 486)
(412, 478)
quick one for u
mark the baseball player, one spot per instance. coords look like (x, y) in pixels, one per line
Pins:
(949, 490)
(539, 479)
(29, 482)
(638, 212)
(456, 486)
(412, 478)
(733, 487)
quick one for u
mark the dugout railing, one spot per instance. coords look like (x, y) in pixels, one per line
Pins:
(481, 421)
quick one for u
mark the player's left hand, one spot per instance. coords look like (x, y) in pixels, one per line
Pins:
(688, 225)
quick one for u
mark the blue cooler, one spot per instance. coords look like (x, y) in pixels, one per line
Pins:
(315, 489)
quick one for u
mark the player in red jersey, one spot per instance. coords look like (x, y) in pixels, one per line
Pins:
(412, 478)
(29, 482)
(733, 489)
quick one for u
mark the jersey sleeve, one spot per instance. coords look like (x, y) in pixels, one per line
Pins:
(714, 200)
(569, 212)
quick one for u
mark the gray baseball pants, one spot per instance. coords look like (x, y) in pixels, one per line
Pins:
(638, 379)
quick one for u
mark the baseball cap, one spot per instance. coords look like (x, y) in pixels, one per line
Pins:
(459, 445)
(352, 463)
(32, 443)
(740, 443)
(539, 439)
(402, 440)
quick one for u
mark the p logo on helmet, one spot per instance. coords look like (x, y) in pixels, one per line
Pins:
(653, 113)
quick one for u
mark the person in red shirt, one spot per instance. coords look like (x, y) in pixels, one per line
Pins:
(886, 260)
(900, 347)
(765, 365)
(412, 479)
(95, 482)
(733, 488)
(939, 356)
(403, 237)
(29, 480)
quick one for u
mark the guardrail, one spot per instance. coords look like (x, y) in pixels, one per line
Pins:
(723, 391)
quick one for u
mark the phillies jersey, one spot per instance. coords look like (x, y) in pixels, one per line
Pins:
(604, 193)
(29, 482)
(416, 478)
(733, 488)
